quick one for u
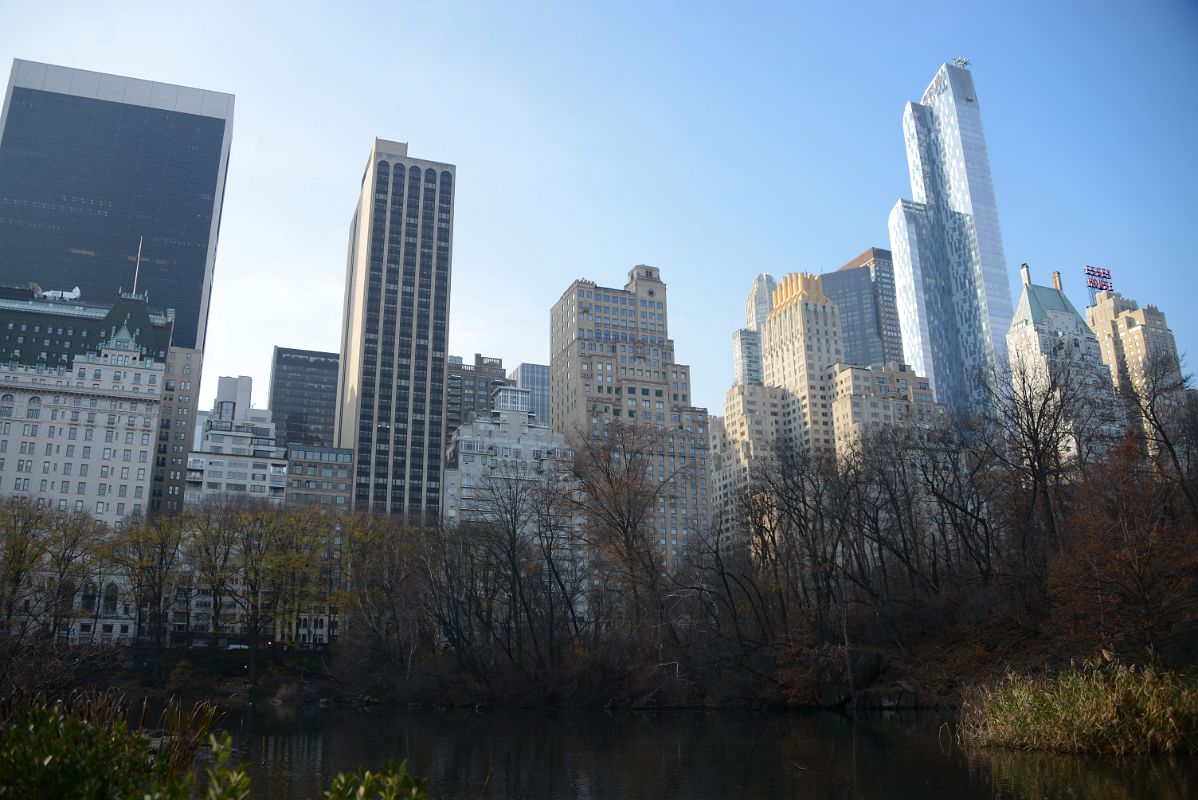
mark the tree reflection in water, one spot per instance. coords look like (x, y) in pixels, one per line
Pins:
(590, 755)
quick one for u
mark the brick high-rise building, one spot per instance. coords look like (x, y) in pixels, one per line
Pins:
(468, 389)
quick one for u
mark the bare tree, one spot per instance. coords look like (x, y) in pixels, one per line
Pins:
(1160, 398)
(258, 554)
(23, 527)
(384, 588)
(147, 553)
(619, 494)
(72, 550)
(213, 553)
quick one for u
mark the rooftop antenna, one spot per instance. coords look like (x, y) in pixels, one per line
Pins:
(961, 61)
(137, 266)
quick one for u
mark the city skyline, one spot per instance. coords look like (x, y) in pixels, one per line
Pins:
(1046, 170)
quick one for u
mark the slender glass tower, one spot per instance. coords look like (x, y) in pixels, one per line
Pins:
(746, 342)
(954, 298)
(391, 380)
(91, 164)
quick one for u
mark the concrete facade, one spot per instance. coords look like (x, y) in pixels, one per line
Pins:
(80, 401)
(801, 340)
(868, 401)
(319, 476)
(238, 456)
(506, 444)
(1049, 344)
(611, 361)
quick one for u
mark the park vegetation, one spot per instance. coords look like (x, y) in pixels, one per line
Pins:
(94, 745)
(1102, 707)
(902, 573)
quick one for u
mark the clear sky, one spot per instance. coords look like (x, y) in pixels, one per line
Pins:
(710, 140)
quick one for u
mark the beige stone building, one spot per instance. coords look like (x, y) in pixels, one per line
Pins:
(811, 401)
(742, 444)
(1129, 337)
(612, 361)
(867, 401)
(800, 341)
(1050, 345)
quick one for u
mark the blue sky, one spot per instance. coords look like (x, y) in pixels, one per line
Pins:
(713, 142)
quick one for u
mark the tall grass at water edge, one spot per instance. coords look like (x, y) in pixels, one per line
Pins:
(1103, 707)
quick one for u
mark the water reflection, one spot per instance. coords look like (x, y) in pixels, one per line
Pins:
(690, 756)
(1040, 776)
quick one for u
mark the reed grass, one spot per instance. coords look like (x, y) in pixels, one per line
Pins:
(1103, 707)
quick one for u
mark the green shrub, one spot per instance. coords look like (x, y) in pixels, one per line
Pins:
(181, 675)
(86, 747)
(1107, 708)
(225, 782)
(46, 753)
(390, 784)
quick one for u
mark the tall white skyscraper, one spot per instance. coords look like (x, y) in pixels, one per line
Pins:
(746, 342)
(391, 384)
(760, 301)
(954, 300)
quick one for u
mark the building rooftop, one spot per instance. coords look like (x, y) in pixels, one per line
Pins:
(1036, 302)
(869, 255)
(119, 89)
(35, 330)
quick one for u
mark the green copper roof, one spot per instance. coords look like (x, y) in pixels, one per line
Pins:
(36, 331)
(1037, 301)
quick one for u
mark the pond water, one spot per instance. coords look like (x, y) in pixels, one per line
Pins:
(540, 755)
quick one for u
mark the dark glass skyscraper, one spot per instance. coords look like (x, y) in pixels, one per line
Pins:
(90, 163)
(863, 291)
(391, 386)
(303, 396)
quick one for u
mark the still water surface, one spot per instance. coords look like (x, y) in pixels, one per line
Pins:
(539, 755)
